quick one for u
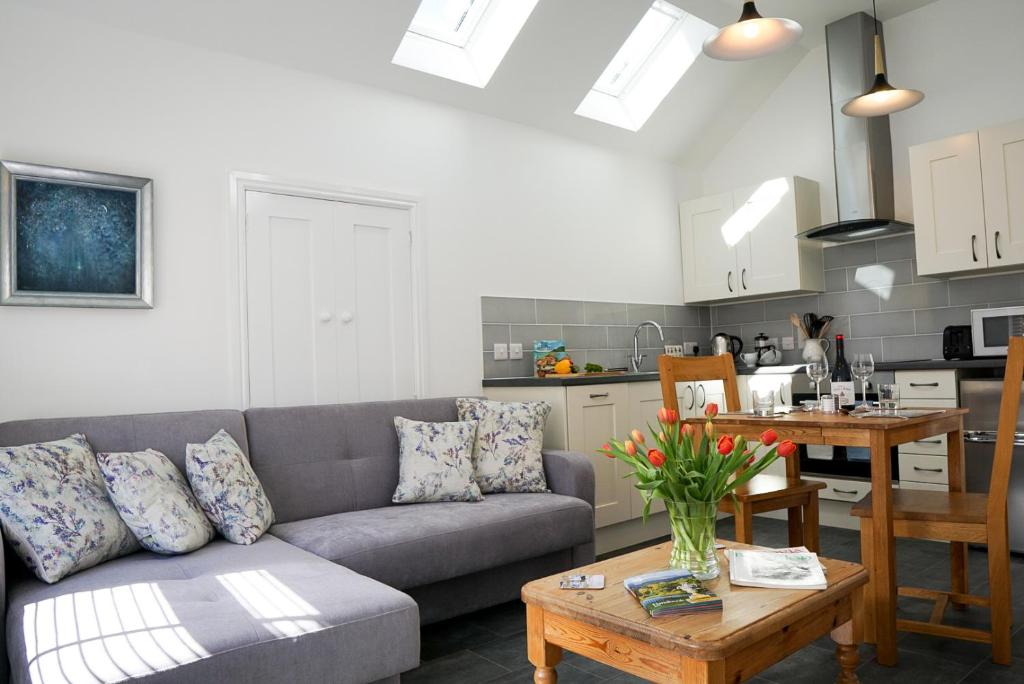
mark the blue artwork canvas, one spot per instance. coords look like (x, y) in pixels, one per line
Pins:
(75, 238)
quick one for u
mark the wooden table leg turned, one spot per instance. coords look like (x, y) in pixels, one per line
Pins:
(543, 656)
(846, 653)
(957, 483)
(883, 561)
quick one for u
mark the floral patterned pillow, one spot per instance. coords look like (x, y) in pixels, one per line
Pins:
(509, 437)
(435, 462)
(155, 501)
(227, 489)
(54, 509)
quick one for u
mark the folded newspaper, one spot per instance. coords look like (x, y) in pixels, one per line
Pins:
(671, 592)
(793, 568)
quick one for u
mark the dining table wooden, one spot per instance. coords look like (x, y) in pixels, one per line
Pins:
(879, 434)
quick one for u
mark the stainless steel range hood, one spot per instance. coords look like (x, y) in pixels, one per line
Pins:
(862, 146)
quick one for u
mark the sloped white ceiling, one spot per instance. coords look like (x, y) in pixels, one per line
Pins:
(562, 49)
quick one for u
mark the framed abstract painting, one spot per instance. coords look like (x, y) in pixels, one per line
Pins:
(75, 238)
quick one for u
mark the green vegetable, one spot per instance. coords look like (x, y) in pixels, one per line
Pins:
(593, 368)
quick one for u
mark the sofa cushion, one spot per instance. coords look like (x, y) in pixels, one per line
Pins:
(225, 613)
(409, 546)
(435, 462)
(509, 437)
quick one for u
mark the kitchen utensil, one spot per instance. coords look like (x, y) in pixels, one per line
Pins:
(799, 324)
(762, 347)
(822, 325)
(770, 357)
(814, 349)
(723, 343)
(823, 330)
(809, 321)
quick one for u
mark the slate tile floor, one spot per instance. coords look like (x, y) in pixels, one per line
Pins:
(490, 645)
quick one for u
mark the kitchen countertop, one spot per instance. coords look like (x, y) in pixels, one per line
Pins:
(924, 364)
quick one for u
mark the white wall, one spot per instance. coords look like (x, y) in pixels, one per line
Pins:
(966, 57)
(508, 210)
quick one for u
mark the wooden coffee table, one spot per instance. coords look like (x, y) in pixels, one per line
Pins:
(755, 628)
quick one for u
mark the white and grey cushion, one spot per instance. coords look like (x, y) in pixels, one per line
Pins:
(227, 489)
(435, 462)
(154, 500)
(55, 511)
(509, 437)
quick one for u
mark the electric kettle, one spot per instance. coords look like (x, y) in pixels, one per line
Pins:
(722, 343)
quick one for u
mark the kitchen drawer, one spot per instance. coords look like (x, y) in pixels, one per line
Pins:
(838, 489)
(924, 468)
(908, 484)
(939, 384)
(935, 445)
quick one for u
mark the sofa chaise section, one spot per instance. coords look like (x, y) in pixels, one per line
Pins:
(225, 613)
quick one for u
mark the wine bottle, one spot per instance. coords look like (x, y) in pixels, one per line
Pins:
(842, 376)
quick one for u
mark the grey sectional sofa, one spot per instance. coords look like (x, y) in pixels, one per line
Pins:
(335, 592)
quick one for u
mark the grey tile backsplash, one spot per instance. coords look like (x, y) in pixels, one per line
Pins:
(879, 301)
(595, 332)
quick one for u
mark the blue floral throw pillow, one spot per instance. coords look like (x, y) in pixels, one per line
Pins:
(54, 509)
(509, 438)
(227, 489)
(435, 462)
(155, 501)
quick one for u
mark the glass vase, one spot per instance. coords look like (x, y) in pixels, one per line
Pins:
(693, 537)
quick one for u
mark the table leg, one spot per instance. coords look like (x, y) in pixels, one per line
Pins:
(542, 655)
(846, 653)
(957, 483)
(883, 562)
(703, 671)
(811, 528)
(794, 518)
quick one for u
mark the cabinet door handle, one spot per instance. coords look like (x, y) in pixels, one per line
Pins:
(844, 491)
(703, 395)
(974, 252)
(743, 278)
(928, 470)
(927, 441)
(693, 397)
(996, 241)
(924, 384)
(602, 395)
(728, 280)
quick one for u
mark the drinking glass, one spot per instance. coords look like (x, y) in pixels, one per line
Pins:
(888, 397)
(863, 367)
(764, 402)
(818, 371)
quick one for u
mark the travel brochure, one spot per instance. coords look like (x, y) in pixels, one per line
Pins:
(793, 568)
(672, 592)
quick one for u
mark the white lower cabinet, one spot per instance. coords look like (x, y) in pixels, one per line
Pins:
(923, 464)
(780, 383)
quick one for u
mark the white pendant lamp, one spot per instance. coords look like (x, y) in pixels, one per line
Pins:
(882, 99)
(752, 36)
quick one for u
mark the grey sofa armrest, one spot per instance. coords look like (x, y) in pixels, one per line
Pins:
(569, 473)
(4, 670)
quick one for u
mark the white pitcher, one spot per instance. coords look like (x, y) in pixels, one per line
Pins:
(814, 349)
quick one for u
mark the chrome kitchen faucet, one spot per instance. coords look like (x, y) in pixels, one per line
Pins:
(638, 358)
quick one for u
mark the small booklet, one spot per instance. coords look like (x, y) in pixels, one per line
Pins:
(794, 568)
(671, 592)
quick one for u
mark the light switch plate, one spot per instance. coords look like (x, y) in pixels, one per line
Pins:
(500, 351)
(788, 343)
(674, 349)
(515, 351)
(690, 348)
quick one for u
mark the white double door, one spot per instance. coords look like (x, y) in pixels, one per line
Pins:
(329, 301)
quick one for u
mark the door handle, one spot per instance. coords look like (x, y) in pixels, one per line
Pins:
(927, 441)
(924, 384)
(928, 470)
(325, 317)
(728, 280)
(974, 252)
(346, 316)
(602, 395)
(703, 395)
(845, 491)
(995, 240)
(693, 396)
(743, 278)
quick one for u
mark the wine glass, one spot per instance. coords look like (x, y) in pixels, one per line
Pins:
(818, 371)
(863, 367)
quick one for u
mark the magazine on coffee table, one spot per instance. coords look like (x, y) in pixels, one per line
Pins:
(671, 592)
(790, 569)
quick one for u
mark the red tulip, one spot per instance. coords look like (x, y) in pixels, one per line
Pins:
(630, 447)
(711, 410)
(607, 449)
(688, 430)
(638, 436)
(786, 448)
(768, 437)
(725, 445)
(656, 458)
(667, 416)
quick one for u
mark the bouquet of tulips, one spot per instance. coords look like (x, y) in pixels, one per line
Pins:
(692, 469)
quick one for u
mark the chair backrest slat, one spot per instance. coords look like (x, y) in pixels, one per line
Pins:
(673, 369)
(1009, 407)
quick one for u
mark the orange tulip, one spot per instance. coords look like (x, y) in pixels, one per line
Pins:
(638, 436)
(768, 437)
(786, 448)
(630, 447)
(711, 410)
(725, 445)
(656, 458)
(667, 416)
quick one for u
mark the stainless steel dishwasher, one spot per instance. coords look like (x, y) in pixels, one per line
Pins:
(980, 425)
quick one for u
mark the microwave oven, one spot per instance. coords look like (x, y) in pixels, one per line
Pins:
(990, 329)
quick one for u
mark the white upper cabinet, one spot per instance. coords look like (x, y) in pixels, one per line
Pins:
(1002, 180)
(744, 244)
(969, 200)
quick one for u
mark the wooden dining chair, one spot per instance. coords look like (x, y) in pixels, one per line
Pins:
(963, 517)
(763, 492)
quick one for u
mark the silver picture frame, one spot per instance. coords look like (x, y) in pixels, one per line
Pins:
(11, 173)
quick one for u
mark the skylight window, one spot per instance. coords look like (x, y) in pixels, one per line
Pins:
(462, 40)
(662, 46)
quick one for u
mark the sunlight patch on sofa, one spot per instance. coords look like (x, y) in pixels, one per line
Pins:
(281, 610)
(105, 635)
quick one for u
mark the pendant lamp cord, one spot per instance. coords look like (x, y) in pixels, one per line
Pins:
(874, 16)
